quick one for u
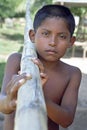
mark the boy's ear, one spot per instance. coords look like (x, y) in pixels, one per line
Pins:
(72, 41)
(32, 35)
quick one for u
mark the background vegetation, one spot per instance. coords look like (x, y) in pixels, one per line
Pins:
(11, 40)
(11, 8)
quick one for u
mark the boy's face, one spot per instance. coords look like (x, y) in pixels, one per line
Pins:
(52, 39)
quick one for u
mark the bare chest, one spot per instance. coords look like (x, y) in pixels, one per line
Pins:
(56, 86)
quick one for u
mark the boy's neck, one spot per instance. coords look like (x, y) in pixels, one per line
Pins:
(50, 65)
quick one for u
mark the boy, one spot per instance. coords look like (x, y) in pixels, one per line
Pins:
(53, 33)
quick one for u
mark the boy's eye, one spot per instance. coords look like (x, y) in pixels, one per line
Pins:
(45, 33)
(62, 36)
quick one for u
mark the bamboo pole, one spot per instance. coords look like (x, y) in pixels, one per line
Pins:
(31, 110)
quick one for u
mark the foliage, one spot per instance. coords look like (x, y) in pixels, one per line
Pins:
(37, 4)
(7, 8)
(79, 11)
(10, 41)
(10, 8)
(21, 9)
(2, 66)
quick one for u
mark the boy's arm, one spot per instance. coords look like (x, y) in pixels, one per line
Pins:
(11, 83)
(9, 121)
(9, 89)
(64, 114)
(10, 69)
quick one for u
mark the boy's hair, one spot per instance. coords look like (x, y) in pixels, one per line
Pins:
(50, 11)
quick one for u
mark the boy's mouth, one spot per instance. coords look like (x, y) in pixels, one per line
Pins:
(51, 51)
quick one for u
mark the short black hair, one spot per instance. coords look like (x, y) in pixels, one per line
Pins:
(53, 10)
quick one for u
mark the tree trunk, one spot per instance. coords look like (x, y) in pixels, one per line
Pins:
(31, 110)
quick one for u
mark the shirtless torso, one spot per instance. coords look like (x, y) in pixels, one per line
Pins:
(60, 88)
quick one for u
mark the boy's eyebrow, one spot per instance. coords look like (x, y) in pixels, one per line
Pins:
(63, 33)
(58, 32)
(45, 29)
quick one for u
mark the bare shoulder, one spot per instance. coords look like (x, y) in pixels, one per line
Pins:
(12, 67)
(74, 73)
(15, 57)
(76, 76)
(71, 69)
(14, 60)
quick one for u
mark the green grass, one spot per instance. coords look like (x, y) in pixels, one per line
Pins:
(2, 66)
(11, 40)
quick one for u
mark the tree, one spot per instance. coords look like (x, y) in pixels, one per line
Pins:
(81, 30)
(7, 8)
(79, 11)
(37, 4)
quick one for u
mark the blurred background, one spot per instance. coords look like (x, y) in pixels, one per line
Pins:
(12, 24)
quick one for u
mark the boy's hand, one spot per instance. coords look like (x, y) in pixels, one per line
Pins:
(12, 88)
(43, 75)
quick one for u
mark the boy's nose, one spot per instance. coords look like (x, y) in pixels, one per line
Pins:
(52, 43)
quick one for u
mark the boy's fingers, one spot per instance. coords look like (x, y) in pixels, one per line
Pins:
(43, 75)
(39, 63)
(44, 78)
(21, 76)
(11, 83)
(12, 105)
(12, 90)
(19, 83)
